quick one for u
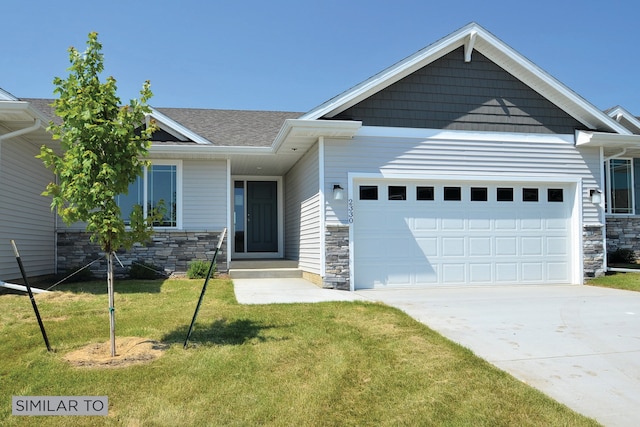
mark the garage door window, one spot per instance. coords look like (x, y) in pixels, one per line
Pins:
(504, 194)
(479, 194)
(529, 194)
(368, 192)
(424, 193)
(452, 193)
(397, 192)
(555, 195)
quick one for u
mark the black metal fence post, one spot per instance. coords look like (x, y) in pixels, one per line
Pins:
(33, 301)
(204, 287)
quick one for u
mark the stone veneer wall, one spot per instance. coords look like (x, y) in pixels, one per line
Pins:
(337, 257)
(169, 250)
(592, 251)
(623, 232)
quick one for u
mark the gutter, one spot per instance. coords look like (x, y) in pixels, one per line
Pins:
(34, 126)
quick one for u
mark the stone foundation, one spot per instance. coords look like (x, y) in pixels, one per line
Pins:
(592, 251)
(337, 257)
(623, 232)
(171, 251)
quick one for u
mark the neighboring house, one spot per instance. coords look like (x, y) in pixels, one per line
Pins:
(463, 164)
(26, 216)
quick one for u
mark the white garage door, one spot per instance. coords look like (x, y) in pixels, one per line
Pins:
(412, 233)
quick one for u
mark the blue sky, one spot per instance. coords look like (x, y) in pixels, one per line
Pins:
(294, 55)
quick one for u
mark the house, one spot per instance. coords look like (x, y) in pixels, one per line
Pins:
(463, 164)
(26, 217)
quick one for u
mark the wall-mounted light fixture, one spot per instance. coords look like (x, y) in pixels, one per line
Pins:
(338, 192)
(596, 196)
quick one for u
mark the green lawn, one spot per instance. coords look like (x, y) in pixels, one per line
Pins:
(617, 280)
(328, 364)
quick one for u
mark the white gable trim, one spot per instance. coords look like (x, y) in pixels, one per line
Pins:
(176, 129)
(473, 36)
(618, 113)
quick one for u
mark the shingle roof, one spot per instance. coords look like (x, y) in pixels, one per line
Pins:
(246, 128)
(232, 127)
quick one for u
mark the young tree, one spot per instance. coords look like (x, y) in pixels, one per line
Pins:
(104, 145)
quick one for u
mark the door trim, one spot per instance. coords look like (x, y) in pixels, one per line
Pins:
(280, 220)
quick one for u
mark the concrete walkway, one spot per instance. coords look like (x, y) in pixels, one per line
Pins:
(577, 344)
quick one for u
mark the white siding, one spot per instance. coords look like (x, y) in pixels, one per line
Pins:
(443, 154)
(302, 216)
(204, 197)
(26, 214)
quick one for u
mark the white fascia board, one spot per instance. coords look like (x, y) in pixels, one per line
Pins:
(215, 150)
(314, 129)
(606, 140)
(463, 135)
(167, 121)
(24, 110)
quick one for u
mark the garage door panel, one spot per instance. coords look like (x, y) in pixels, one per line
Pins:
(431, 242)
(480, 273)
(531, 246)
(453, 246)
(453, 273)
(558, 246)
(532, 272)
(506, 246)
(480, 246)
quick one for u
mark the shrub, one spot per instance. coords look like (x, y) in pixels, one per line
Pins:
(144, 271)
(199, 268)
(622, 256)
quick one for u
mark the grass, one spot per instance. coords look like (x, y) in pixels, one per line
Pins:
(618, 280)
(329, 364)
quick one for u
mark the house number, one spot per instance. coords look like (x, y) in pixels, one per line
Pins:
(350, 204)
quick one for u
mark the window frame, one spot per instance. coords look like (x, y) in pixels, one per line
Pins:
(145, 191)
(609, 190)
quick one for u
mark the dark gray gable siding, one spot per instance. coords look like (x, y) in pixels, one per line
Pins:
(452, 94)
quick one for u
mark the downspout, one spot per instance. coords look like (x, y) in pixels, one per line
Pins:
(603, 212)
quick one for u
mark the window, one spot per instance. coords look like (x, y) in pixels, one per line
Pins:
(158, 186)
(397, 192)
(368, 192)
(504, 194)
(452, 193)
(529, 194)
(424, 193)
(478, 194)
(620, 186)
(555, 195)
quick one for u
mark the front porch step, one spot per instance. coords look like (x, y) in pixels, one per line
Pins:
(264, 269)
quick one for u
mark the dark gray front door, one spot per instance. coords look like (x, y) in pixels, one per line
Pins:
(262, 216)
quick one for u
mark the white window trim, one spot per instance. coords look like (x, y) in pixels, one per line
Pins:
(145, 175)
(608, 195)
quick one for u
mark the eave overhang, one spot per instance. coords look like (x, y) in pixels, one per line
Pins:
(612, 144)
(294, 139)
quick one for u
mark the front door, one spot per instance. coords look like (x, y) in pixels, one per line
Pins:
(256, 217)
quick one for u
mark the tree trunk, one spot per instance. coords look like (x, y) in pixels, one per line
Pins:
(112, 315)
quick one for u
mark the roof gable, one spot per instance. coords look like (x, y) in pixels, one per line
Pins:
(625, 118)
(453, 94)
(473, 39)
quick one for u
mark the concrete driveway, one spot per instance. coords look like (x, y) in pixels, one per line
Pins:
(577, 344)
